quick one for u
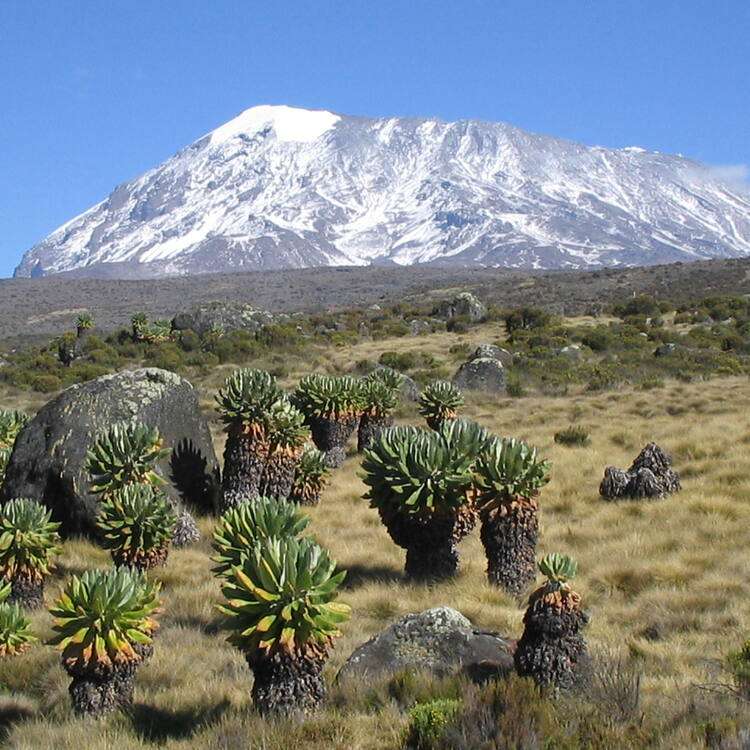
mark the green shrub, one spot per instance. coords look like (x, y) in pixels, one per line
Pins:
(46, 383)
(401, 361)
(428, 722)
(575, 435)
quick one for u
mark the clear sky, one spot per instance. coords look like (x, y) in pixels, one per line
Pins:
(94, 92)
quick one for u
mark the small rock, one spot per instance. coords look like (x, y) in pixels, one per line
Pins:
(419, 327)
(483, 374)
(664, 350)
(573, 351)
(439, 640)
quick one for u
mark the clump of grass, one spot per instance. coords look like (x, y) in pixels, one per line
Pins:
(573, 436)
(429, 721)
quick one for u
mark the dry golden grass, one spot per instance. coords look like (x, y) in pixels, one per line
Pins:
(664, 581)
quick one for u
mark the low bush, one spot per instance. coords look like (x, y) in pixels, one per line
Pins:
(575, 435)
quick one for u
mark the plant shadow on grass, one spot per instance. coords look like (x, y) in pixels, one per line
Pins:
(211, 627)
(10, 714)
(159, 725)
(360, 575)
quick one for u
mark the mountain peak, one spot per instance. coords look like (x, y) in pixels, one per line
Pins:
(270, 190)
(288, 123)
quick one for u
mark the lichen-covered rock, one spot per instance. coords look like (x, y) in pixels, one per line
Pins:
(664, 350)
(463, 305)
(482, 374)
(225, 316)
(490, 351)
(48, 462)
(439, 640)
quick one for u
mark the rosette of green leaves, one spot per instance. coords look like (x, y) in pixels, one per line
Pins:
(440, 401)
(28, 540)
(558, 569)
(15, 632)
(101, 617)
(240, 528)
(414, 471)
(11, 423)
(281, 599)
(328, 397)
(136, 524)
(125, 454)
(509, 468)
(247, 397)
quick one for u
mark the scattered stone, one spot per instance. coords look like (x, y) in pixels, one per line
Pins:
(419, 327)
(440, 640)
(665, 350)
(462, 305)
(48, 463)
(483, 374)
(490, 351)
(573, 351)
(223, 316)
(650, 476)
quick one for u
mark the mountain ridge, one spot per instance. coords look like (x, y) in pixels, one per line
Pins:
(283, 187)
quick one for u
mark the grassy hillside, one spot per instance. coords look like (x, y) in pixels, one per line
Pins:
(665, 582)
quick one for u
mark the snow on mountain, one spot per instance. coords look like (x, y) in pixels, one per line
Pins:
(281, 187)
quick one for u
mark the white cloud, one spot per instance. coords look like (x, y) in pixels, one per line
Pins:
(737, 175)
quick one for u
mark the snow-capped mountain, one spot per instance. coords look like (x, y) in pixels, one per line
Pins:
(279, 187)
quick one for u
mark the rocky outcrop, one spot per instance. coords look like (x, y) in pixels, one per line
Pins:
(464, 305)
(439, 640)
(490, 351)
(48, 462)
(650, 476)
(483, 374)
(221, 316)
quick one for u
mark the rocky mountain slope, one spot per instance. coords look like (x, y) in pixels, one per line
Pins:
(279, 187)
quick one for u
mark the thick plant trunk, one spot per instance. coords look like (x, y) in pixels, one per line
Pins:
(97, 692)
(305, 494)
(331, 437)
(509, 535)
(286, 684)
(27, 592)
(370, 429)
(278, 476)
(141, 560)
(243, 468)
(552, 650)
(430, 542)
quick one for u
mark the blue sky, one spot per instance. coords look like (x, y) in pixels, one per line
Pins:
(92, 93)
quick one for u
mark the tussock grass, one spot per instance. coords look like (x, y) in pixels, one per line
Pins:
(665, 582)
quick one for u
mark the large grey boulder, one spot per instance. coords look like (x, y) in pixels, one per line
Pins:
(483, 374)
(439, 640)
(48, 460)
(462, 305)
(224, 316)
(490, 351)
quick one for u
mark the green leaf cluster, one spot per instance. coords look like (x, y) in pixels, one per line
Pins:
(328, 397)
(558, 569)
(15, 632)
(440, 401)
(240, 528)
(247, 397)
(11, 423)
(508, 468)
(101, 617)
(281, 599)
(28, 539)
(125, 454)
(413, 471)
(380, 392)
(135, 522)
